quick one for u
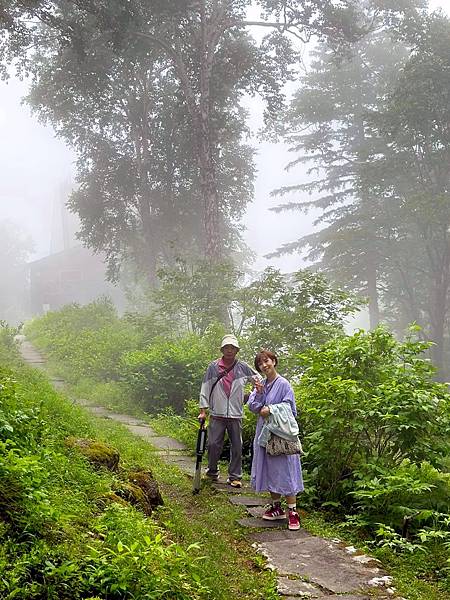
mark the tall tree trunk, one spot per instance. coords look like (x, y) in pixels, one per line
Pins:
(372, 292)
(210, 200)
(438, 253)
(147, 257)
(209, 39)
(438, 319)
(213, 23)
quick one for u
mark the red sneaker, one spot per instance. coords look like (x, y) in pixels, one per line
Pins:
(294, 520)
(274, 513)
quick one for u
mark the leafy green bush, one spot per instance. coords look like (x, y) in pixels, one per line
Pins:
(409, 494)
(376, 436)
(59, 536)
(8, 347)
(28, 463)
(368, 399)
(133, 562)
(167, 373)
(85, 341)
(73, 317)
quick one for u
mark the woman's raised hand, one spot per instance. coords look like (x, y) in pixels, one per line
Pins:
(258, 385)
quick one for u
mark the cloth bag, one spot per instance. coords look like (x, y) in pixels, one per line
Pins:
(277, 445)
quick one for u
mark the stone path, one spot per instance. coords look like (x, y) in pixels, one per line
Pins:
(307, 566)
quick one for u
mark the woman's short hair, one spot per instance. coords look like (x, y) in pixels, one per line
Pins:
(262, 354)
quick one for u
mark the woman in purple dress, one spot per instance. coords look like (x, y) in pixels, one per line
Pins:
(280, 475)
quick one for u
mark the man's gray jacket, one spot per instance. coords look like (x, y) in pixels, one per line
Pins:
(219, 404)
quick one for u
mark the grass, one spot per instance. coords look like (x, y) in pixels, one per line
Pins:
(221, 534)
(207, 518)
(210, 520)
(82, 529)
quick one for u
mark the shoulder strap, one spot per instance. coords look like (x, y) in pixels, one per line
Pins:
(222, 374)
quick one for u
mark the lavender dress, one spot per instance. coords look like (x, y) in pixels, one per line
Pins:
(279, 474)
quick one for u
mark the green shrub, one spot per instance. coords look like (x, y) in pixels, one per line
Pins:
(8, 346)
(134, 562)
(72, 318)
(409, 495)
(28, 462)
(368, 399)
(167, 373)
(85, 341)
(376, 439)
(59, 536)
(114, 395)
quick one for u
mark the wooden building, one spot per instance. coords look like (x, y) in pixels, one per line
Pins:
(72, 275)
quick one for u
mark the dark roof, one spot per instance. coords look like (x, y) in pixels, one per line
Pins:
(64, 254)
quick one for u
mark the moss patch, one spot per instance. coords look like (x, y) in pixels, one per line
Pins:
(98, 453)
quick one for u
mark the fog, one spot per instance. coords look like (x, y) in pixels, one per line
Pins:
(35, 167)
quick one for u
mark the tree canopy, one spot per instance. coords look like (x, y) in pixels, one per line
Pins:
(380, 150)
(149, 97)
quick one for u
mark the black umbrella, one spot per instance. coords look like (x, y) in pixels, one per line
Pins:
(201, 445)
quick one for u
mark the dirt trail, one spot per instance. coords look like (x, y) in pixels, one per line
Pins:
(307, 566)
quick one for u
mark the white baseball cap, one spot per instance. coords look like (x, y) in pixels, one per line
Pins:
(229, 340)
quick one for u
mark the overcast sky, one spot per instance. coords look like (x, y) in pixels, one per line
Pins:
(35, 166)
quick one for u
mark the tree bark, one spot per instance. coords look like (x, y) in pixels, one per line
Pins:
(146, 256)
(210, 34)
(372, 293)
(212, 27)
(437, 247)
(438, 321)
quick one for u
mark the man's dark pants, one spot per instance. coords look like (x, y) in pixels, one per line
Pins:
(216, 434)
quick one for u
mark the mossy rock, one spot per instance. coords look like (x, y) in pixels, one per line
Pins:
(97, 453)
(113, 497)
(141, 490)
(144, 479)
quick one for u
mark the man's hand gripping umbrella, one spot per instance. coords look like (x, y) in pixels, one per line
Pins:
(201, 445)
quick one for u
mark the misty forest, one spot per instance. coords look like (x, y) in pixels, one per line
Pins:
(155, 267)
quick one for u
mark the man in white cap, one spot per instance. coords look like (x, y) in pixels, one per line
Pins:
(222, 394)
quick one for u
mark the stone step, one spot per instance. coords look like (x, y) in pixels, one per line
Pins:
(160, 441)
(127, 419)
(258, 511)
(307, 595)
(98, 411)
(323, 563)
(298, 587)
(184, 462)
(57, 383)
(222, 486)
(248, 501)
(256, 523)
